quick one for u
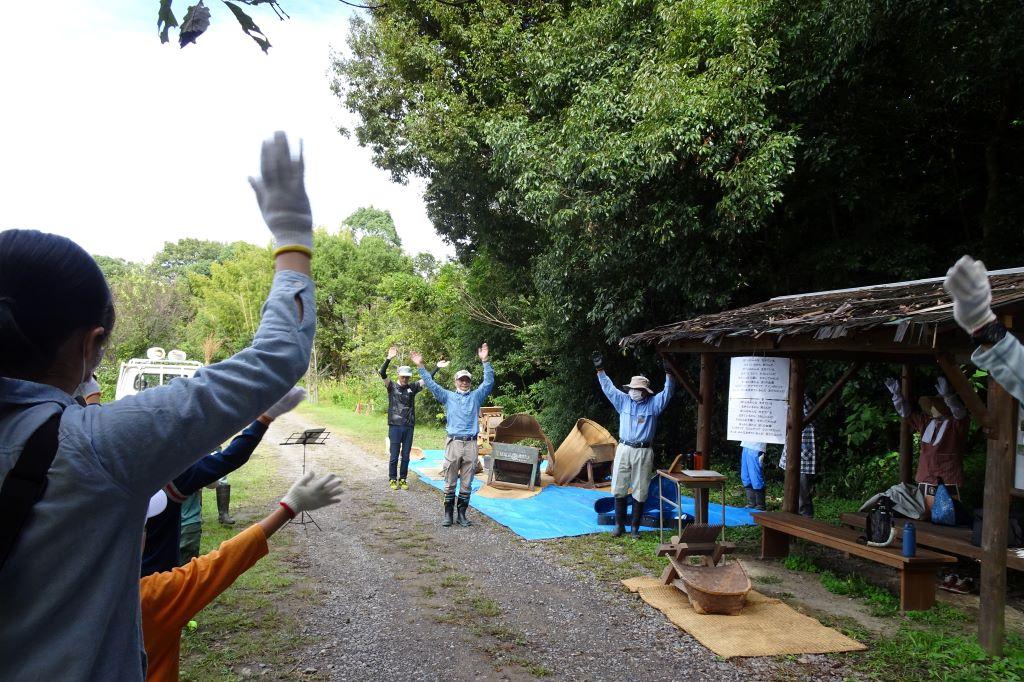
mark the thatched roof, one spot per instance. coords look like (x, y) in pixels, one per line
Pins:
(903, 314)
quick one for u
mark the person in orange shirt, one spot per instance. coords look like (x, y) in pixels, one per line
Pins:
(171, 598)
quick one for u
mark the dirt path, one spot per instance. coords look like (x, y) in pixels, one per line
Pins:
(399, 597)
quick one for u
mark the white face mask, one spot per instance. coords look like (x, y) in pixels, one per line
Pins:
(637, 395)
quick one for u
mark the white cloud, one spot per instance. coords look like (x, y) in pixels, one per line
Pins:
(122, 143)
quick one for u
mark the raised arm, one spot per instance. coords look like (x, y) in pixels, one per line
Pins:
(952, 400)
(484, 389)
(618, 399)
(899, 401)
(143, 441)
(218, 464)
(428, 381)
(1005, 362)
(662, 398)
(383, 371)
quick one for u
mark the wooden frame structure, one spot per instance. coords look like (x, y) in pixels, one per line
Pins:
(907, 323)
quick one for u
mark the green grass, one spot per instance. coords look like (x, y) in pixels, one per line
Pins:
(368, 430)
(938, 644)
(249, 623)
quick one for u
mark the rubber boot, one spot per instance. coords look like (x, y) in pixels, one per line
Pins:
(751, 497)
(462, 507)
(638, 511)
(759, 499)
(449, 510)
(223, 502)
(620, 516)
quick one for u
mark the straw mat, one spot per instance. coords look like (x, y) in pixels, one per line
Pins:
(498, 493)
(765, 627)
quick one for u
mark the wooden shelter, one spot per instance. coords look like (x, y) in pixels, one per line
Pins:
(908, 323)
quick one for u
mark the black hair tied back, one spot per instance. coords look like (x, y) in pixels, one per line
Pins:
(49, 288)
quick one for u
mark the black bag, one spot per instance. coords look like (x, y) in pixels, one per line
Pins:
(880, 529)
(25, 483)
(1014, 530)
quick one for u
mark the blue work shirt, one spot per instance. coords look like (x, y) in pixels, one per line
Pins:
(69, 594)
(461, 409)
(1005, 362)
(163, 531)
(637, 421)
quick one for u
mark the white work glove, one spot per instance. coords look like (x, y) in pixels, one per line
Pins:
(943, 388)
(309, 493)
(282, 198)
(898, 401)
(288, 403)
(967, 283)
(893, 385)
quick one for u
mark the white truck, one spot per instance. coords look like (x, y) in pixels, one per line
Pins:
(156, 369)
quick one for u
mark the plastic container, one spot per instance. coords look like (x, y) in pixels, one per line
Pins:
(909, 540)
(698, 461)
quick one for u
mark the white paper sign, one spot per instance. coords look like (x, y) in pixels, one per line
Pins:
(760, 420)
(754, 377)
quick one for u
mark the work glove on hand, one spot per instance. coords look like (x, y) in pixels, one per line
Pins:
(893, 385)
(309, 493)
(597, 359)
(967, 283)
(288, 403)
(943, 388)
(281, 195)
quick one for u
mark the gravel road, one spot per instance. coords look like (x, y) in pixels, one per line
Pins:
(398, 597)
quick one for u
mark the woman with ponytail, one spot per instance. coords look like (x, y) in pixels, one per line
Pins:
(69, 569)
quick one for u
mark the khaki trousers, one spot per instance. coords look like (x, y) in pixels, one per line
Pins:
(459, 465)
(631, 470)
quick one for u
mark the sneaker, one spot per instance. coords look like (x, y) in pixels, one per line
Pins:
(949, 582)
(402, 484)
(393, 483)
(963, 586)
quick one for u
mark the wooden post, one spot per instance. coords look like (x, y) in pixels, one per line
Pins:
(794, 433)
(998, 476)
(704, 407)
(707, 389)
(906, 431)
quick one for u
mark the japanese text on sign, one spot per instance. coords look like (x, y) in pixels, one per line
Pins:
(758, 399)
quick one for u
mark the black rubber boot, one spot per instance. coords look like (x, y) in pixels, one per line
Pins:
(449, 510)
(223, 503)
(461, 516)
(620, 516)
(751, 497)
(759, 499)
(638, 511)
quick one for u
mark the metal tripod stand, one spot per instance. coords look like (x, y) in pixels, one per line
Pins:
(304, 438)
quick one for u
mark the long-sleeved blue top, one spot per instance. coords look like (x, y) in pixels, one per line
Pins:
(163, 531)
(69, 593)
(637, 421)
(462, 410)
(1005, 361)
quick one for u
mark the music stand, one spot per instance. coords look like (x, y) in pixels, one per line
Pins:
(304, 438)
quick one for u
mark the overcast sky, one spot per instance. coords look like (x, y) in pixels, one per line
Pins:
(122, 143)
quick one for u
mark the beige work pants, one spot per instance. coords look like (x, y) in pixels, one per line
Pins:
(459, 465)
(631, 470)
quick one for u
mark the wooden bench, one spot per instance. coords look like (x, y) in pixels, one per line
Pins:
(951, 539)
(917, 574)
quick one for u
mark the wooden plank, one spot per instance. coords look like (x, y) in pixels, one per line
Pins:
(966, 392)
(774, 543)
(833, 392)
(998, 470)
(680, 375)
(844, 540)
(906, 429)
(794, 431)
(917, 588)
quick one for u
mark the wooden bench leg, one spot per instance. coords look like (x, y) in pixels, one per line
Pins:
(917, 589)
(668, 575)
(774, 544)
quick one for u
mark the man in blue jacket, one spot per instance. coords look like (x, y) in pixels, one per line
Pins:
(163, 531)
(634, 457)
(462, 410)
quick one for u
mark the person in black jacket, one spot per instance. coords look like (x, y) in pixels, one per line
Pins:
(401, 417)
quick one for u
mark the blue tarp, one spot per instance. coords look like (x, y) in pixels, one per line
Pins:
(558, 511)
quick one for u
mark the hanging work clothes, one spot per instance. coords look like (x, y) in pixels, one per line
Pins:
(943, 444)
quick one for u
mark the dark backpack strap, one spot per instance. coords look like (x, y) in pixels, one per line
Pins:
(25, 483)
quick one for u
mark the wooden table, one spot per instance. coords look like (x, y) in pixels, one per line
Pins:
(701, 486)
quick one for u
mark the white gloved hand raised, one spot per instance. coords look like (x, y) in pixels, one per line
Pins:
(967, 283)
(309, 493)
(942, 387)
(289, 402)
(892, 385)
(281, 195)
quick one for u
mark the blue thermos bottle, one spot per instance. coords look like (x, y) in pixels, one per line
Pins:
(909, 540)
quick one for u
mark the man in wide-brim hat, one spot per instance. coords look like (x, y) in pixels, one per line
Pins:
(638, 407)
